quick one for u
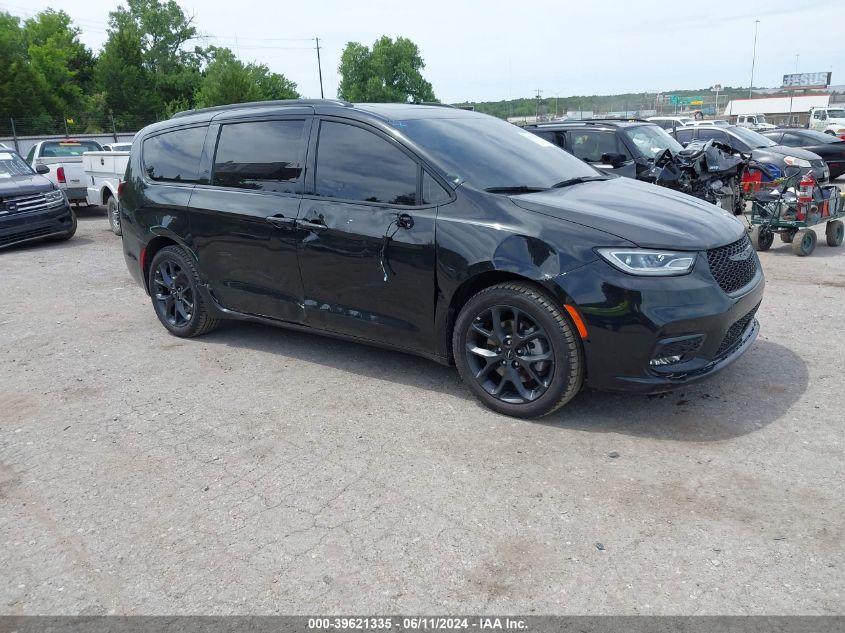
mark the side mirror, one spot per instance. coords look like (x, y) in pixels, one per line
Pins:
(614, 160)
(42, 169)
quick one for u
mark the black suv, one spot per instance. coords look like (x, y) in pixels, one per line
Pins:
(31, 207)
(440, 232)
(626, 148)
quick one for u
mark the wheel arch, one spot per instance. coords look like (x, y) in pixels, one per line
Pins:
(475, 284)
(157, 243)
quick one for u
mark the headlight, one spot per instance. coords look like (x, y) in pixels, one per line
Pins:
(796, 162)
(647, 262)
(55, 197)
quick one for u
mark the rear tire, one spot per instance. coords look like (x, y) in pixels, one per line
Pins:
(178, 302)
(804, 243)
(762, 237)
(113, 210)
(834, 232)
(517, 351)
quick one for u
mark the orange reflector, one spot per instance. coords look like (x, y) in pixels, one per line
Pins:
(579, 322)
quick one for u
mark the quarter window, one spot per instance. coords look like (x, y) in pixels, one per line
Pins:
(174, 156)
(432, 192)
(260, 155)
(355, 164)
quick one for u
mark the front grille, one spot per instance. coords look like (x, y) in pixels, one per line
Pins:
(25, 235)
(733, 266)
(23, 204)
(734, 333)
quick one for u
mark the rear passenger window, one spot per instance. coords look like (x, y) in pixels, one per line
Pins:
(174, 156)
(354, 164)
(590, 145)
(260, 155)
(684, 136)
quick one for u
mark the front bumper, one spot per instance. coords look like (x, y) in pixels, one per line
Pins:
(28, 227)
(632, 321)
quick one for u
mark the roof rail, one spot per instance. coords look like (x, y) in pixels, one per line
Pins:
(433, 103)
(258, 104)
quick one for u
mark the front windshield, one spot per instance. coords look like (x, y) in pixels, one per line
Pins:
(752, 138)
(13, 165)
(652, 140)
(490, 153)
(836, 114)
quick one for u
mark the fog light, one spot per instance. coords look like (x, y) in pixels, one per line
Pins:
(666, 360)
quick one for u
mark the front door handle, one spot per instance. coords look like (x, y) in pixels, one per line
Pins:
(281, 221)
(314, 224)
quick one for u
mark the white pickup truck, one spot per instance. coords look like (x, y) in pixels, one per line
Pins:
(64, 159)
(104, 171)
(828, 120)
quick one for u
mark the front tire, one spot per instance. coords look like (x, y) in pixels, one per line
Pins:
(175, 292)
(804, 242)
(762, 237)
(517, 351)
(113, 210)
(834, 232)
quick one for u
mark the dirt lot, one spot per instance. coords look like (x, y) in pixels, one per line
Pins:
(262, 471)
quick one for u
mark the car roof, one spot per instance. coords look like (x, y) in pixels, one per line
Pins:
(589, 123)
(387, 112)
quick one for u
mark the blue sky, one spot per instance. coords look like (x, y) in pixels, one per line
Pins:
(494, 50)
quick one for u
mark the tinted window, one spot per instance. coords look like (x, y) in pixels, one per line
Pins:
(489, 152)
(684, 136)
(13, 165)
(355, 164)
(812, 137)
(589, 145)
(174, 156)
(793, 140)
(432, 192)
(57, 149)
(706, 134)
(260, 155)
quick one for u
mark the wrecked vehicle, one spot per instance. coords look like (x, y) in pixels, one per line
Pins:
(645, 151)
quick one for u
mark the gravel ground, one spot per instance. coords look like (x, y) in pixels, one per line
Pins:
(257, 470)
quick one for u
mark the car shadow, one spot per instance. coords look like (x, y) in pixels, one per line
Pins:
(743, 398)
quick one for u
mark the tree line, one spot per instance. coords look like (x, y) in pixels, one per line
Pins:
(150, 67)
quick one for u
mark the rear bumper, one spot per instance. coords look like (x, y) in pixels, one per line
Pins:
(77, 194)
(633, 321)
(29, 227)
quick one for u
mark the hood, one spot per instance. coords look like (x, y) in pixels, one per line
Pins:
(647, 215)
(22, 185)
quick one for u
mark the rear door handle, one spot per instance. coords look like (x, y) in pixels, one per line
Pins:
(281, 221)
(314, 224)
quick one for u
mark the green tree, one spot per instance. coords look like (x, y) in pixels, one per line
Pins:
(151, 36)
(389, 72)
(229, 80)
(124, 80)
(62, 66)
(15, 99)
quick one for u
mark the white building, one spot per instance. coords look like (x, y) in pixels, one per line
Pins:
(778, 110)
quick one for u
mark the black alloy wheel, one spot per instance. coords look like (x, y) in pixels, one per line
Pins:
(517, 350)
(174, 289)
(510, 355)
(173, 293)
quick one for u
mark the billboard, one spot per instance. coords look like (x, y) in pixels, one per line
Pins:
(807, 80)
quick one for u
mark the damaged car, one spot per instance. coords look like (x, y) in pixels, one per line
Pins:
(439, 232)
(645, 151)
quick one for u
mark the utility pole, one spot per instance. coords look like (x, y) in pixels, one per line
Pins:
(537, 111)
(753, 58)
(320, 69)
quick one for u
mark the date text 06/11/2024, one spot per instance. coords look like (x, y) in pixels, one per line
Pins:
(417, 623)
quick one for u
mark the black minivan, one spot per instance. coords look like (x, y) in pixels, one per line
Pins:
(440, 232)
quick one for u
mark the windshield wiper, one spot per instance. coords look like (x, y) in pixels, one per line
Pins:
(515, 189)
(578, 181)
